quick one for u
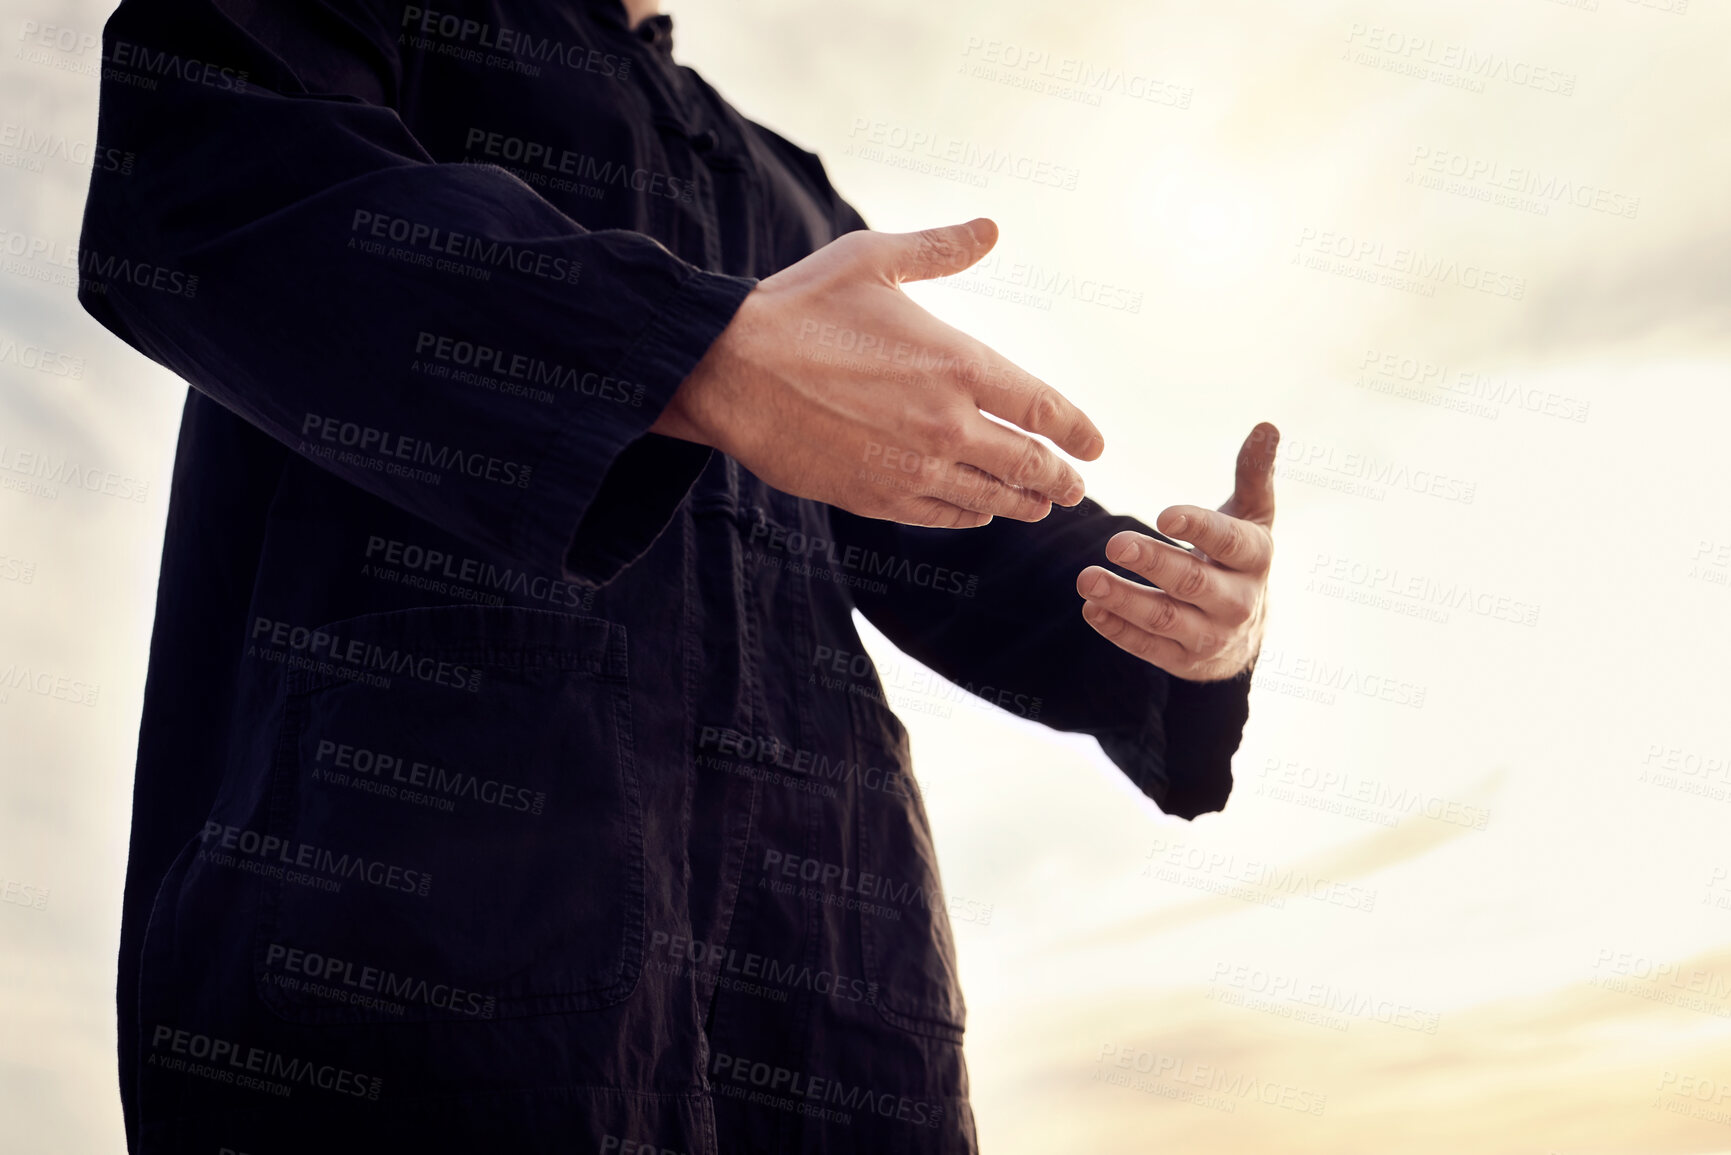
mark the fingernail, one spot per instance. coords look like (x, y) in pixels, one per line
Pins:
(1096, 586)
(1129, 551)
(1178, 524)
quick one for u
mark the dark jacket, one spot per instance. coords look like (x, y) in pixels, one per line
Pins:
(510, 778)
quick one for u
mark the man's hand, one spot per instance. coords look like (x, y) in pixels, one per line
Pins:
(1204, 623)
(830, 383)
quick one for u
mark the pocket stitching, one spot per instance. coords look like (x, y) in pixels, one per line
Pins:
(924, 1021)
(604, 661)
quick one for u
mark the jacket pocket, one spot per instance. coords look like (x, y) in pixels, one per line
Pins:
(906, 943)
(458, 821)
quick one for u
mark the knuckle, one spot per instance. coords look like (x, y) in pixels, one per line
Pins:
(858, 243)
(1029, 465)
(1162, 615)
(943, 429)
(1043, 409)
(961, 370)
(981, 488)
(1230, 537)
(937, 246)
(1192, 580)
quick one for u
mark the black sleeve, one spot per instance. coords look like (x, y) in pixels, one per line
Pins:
(287, 246)
(996, 611)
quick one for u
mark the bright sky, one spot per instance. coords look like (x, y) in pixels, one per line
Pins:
(1473, 891)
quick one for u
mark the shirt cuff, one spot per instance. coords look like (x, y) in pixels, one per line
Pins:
(1204, 725)
(1182, 757)
(649, 475)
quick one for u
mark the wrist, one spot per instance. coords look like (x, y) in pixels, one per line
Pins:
(703, 408)
(673, 421)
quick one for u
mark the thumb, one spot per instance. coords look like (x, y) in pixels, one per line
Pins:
(939, 252)
(1253, 492)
